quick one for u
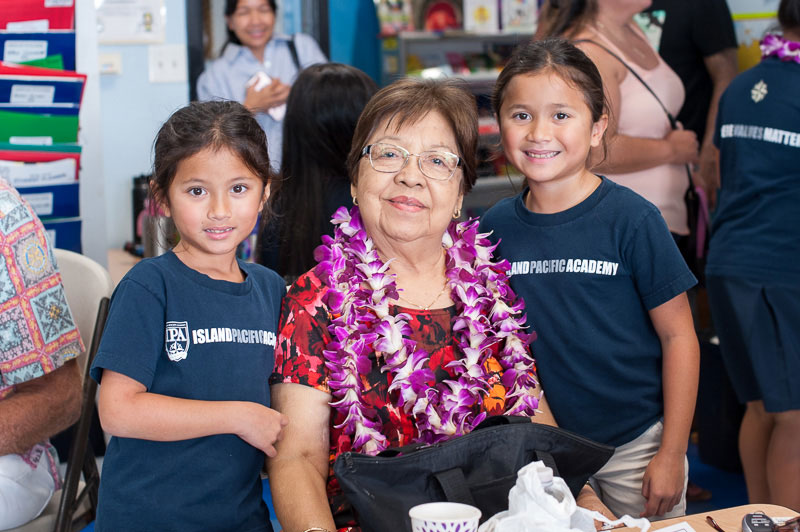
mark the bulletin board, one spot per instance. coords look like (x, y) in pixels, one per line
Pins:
(752, 19)
(131, 21)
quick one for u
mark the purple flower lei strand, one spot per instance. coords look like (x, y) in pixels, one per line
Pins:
(488, 318)
(785, 50)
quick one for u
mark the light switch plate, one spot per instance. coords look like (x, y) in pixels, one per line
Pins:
(110, 63)
(167, 63)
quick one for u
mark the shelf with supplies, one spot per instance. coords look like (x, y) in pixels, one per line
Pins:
(489, 190)
(473, 57)
(40, 101)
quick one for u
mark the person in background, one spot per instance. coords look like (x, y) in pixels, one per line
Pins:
(321, 114)
(40, 385)
(603, 281)
(698, 42)
(189, 337)
(753, 271)
(254, 49)
(644, 153)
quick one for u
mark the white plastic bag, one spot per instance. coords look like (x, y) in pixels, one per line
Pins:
(540, 502)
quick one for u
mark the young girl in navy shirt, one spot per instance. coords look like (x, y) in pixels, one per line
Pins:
(602, 279)
(189, 342)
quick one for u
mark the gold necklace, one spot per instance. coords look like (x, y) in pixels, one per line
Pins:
(428, 307)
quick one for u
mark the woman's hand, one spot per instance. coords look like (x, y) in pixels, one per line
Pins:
(683, 145)
(662, 484)
(707, 175)
(587, 498)
(273, 95)
(260, 426)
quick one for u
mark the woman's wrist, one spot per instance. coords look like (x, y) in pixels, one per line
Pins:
(316, 529)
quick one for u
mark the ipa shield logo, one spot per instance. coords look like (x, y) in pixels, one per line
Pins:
(176, 340)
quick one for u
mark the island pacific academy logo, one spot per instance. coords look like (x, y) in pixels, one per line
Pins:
(176, 340)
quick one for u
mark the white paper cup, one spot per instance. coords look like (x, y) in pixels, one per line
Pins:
(444, 517)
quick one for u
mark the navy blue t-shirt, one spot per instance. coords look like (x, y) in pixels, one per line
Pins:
(182, 334)
(756, 227)
(589, 275)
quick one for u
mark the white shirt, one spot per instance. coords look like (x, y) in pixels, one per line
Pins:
(225, 78)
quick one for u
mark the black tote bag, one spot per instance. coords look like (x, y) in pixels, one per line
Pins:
(478, 468)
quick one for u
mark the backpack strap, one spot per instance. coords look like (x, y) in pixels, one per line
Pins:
(293, 51)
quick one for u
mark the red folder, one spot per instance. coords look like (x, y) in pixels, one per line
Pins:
(28, 155)
(26, 70)
(61, 16)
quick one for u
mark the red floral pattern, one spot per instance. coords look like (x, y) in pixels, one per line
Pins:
(299, 359)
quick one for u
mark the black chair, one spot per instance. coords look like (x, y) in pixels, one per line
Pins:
(78, 506)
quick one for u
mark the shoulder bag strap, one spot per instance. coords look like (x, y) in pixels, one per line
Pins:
(293, 51)
(454, 486)
(672, 122)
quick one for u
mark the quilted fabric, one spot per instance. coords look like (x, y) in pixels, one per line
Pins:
(37, 331)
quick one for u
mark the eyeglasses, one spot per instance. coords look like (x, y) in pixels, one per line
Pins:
(389, 158)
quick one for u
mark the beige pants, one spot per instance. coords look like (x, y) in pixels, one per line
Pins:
(619, 482)
(24, 491)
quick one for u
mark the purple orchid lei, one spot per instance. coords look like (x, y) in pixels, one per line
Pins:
(489, 319)
(785, 50)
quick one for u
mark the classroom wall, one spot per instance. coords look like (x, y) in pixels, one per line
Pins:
(353, 27)
(132, 111)
(92, 182)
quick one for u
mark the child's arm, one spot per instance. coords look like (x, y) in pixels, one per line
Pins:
(663, 480)
(128, 410)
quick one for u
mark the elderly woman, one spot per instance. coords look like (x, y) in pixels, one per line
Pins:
(404, 310)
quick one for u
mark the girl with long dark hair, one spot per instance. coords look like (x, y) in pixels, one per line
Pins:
(321, 114)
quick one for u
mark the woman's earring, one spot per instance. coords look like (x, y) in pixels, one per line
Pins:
(355, 201)
(457, 214)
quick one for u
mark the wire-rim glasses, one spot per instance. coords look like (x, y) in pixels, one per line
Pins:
(390, 158)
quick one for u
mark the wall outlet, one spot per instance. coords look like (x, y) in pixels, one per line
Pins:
(167, 63)
(110, 63)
